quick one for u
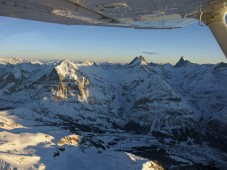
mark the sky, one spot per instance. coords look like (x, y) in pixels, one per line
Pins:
(31, 39)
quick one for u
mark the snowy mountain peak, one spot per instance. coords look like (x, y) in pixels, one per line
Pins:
(12, 61)
(142, 59)
(182, 62)
(67, 69)
(138, 61)
(66, 63)
(89, 63)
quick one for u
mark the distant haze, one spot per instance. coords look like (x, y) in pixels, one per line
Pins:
(30, 39)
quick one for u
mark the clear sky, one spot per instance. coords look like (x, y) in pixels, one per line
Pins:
(32, 39)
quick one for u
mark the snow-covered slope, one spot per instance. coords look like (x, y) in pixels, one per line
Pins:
(70, 115)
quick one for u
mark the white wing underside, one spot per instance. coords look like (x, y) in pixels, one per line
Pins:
(140, 14)
(145, 14)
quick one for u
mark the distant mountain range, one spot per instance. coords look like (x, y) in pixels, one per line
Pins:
(75, 115)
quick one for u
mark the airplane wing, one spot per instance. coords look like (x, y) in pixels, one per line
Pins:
(141, 14)
(149, 14)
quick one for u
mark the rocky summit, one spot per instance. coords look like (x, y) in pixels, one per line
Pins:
(84, 115)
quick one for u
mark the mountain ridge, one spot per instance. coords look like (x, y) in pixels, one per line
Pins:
(110, 105)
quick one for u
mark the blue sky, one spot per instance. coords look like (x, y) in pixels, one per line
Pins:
(31, 39)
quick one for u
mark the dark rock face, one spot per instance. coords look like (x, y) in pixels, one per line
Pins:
(182, 62)
(216, 134)
(139, 59)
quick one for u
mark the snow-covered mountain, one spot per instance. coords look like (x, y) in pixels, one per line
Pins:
(83, 115)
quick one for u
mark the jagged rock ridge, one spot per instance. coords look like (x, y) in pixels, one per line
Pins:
(182, 62)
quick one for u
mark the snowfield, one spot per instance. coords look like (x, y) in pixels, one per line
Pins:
(27, 149)
(138, 116)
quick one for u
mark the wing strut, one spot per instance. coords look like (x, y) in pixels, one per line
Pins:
(217, 24)
(219, 30)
